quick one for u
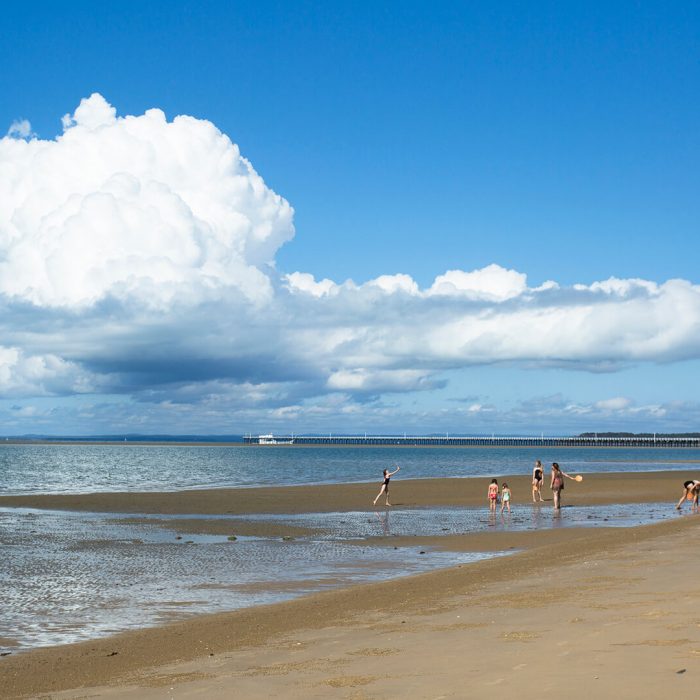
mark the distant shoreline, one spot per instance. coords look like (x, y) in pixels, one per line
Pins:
(126, 443)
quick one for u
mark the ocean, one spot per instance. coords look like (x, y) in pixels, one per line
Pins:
(68, 468)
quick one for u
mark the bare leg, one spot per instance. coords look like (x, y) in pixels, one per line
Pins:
(381, 491)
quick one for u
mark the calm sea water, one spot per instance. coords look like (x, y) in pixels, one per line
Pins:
(87, 468)
(69, 577)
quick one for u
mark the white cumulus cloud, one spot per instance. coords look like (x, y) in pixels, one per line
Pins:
(134, 207)
(492, 283)
(379, 381)
(40, 375)
(305, 282)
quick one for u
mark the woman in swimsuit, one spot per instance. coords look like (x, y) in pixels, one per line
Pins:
(505, 497)
(557, 483)
(691, 491)
(385, 486)
(537, 481)
(493, 495)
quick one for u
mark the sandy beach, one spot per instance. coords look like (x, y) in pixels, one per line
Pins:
(575, 611)
(645, 487)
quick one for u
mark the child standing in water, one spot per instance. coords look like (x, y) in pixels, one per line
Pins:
(505, 497)
(493, 495)
(537, 481)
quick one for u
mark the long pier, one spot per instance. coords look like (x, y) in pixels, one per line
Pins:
(459, 441)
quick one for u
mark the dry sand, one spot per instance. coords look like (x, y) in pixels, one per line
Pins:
(578, 612)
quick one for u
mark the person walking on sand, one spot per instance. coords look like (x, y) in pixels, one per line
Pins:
(537, 481)
(557, 483)
(385, 486)
(505, 497)
(493, 495)
(691, 491)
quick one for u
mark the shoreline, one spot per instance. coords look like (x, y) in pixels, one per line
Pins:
(596, 489)
(124, 659)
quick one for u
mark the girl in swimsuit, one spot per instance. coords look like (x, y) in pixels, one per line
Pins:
(537, 481)
(691, 491)
(505, 497)
(493, 495)
(557, 483)
(385, 486)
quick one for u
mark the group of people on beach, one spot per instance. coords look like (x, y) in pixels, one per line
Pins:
(503, 495)
(556, 484)
(494, 496)
(691, 489)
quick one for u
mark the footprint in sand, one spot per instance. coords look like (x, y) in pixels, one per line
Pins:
(350, 681)
(373, 652)
(520, 636)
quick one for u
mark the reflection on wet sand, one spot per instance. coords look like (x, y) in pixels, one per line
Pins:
(111, 573)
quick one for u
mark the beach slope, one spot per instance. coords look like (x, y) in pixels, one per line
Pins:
(610, 611)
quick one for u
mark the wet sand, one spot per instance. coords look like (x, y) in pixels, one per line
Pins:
(595, 489)
(610, 611)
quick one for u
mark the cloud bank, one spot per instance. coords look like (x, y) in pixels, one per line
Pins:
(137, 258)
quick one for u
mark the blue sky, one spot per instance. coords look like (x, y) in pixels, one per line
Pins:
(554, 140)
